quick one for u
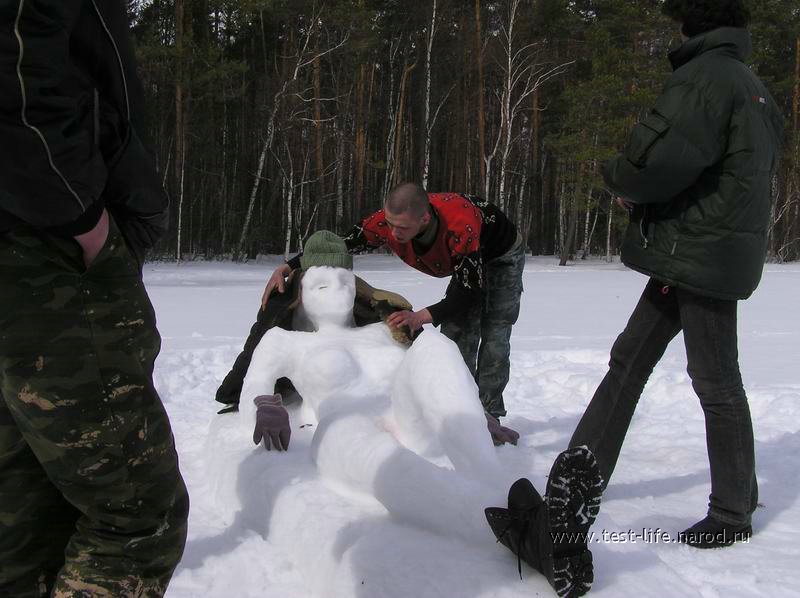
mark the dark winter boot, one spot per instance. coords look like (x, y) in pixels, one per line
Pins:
(551, 535)
(522, 527)
(713, 533)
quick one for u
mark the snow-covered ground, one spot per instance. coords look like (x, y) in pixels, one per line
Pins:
(267, 525)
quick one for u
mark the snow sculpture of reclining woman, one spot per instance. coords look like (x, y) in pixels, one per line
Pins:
(384, 412)
(379, 408)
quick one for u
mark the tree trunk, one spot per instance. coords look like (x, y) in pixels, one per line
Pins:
(507, 112)
(341, 169)
(481, 108)
(566, 251)
(796, 94)
(572, 228)
(588, 246)
(401, 103)
(180, 134)
(426, 125)
(535, 172)
(608, 229)
(222, 196)
(587, 217)
(318, 129)
(289, 194)
(360, 151)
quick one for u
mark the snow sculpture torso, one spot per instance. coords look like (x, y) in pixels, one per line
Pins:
(335, 368)
(340, 369)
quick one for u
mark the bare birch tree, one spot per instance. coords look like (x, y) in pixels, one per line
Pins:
(303, 57)
(523, 74)
(426, 123)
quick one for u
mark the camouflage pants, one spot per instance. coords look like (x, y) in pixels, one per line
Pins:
(91, 499)
(483, 335)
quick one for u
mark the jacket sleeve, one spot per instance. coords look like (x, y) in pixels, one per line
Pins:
(465, 289)
(682, 136)
(51, 171)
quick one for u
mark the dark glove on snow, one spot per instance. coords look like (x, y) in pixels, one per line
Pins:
(500, 434)
(272, 422)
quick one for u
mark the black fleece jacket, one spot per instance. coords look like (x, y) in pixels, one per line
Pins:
(72, 122)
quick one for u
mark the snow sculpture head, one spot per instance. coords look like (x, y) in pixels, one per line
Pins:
(328, 295)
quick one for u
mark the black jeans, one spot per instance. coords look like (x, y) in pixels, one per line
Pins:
(709, 329)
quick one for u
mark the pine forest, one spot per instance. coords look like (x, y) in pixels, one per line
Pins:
(271, 119)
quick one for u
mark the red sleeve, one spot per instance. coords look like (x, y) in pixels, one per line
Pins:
(368, 235)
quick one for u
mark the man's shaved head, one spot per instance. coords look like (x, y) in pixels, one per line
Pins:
(408, 198)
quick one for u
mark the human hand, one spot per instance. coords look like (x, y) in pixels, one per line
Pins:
(500, 434)
(272, 422)
(278, 280)
(413, 319)
(92, 242)
(624, 204)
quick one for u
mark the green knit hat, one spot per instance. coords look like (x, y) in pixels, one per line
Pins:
(325, 248)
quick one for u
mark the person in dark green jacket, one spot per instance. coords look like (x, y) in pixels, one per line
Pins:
(696, 178)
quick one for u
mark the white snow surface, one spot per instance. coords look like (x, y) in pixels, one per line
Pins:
(274, 525)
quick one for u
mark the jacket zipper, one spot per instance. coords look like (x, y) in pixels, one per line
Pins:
(641, 227)
(119, 62)
(23, 112)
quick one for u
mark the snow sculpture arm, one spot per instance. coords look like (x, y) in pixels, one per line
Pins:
(272, 359)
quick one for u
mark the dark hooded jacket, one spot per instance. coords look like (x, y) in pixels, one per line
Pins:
(699, 168)
(72, 122)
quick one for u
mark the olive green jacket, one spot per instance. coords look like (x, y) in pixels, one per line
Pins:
(698, 170)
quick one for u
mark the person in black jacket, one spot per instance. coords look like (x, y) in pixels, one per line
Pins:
(91, 498)
(696, 176)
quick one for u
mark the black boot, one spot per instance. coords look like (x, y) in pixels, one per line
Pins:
(551, 535)
(713, 533)
(517, 527)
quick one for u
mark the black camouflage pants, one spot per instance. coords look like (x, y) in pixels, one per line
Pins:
(483, 335)
(91, 499)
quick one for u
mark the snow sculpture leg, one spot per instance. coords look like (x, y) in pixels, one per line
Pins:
(437, 410)
(353, 450)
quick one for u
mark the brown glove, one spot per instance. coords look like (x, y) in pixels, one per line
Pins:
(500, 434)
(272, 422)
(384, 303)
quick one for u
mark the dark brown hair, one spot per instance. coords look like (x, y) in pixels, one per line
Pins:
(699, 16)
(407, 197)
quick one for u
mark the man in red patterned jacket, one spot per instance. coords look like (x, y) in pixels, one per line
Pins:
(471, 240)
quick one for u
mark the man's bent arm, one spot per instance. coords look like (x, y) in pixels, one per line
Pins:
(466, 289)
(669, 149)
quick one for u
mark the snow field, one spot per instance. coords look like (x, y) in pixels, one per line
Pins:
(270, 525)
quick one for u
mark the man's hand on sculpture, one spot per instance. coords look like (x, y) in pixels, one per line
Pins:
(272, 422)
(279, 279)
(500, 434)
(413, 319)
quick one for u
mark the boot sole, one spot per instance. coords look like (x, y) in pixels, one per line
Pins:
(574, 491)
